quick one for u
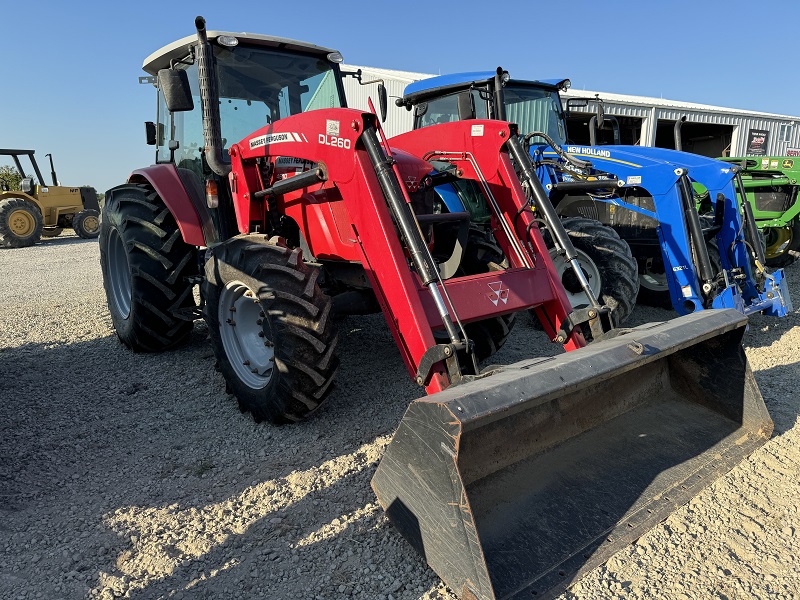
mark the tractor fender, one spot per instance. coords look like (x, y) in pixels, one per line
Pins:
(22, 196)
(186, 205)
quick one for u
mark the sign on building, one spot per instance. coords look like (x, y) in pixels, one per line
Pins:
(757, 142)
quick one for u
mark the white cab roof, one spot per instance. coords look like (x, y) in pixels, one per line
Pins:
(176, 50)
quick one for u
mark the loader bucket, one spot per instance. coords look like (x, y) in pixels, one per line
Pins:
(517, 484)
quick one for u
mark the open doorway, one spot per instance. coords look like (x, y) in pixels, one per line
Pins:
(706, 139)
(630, 130)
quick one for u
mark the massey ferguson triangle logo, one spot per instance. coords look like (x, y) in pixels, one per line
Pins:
(498, 294)
(411, 183)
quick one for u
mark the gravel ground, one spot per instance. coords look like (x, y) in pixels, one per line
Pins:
(136, 476)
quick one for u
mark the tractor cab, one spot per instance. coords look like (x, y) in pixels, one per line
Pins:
(532, 105)
(260, 79)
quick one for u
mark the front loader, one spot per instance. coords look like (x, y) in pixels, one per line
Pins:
(644, 194)
(770, 185)
(512, 480)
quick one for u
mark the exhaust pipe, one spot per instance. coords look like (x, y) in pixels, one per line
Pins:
(676, 132)
(209, 97)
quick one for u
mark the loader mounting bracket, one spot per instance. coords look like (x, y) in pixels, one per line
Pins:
(598, 319)
(442, 352)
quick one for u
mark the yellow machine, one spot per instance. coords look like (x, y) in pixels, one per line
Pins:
(38, 210)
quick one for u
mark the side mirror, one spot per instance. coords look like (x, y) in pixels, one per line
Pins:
(600, 115)
(466, 106)
(575, 103)
(150, 133)
(174, 84)
(383, 101)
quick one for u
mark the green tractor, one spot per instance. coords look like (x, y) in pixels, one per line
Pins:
(770, 184)
(39, 210)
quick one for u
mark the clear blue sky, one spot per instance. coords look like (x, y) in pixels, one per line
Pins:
(70, 68)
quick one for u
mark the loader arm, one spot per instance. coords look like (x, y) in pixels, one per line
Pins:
(356, 215)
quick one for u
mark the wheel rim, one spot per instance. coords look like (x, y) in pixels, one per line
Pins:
(119, 274)
(778, 240)
(653, 279)
(575, 294)
(21, 223)
(90, 224)
(249, 351)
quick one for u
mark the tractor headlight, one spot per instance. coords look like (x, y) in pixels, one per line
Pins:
(228, 41)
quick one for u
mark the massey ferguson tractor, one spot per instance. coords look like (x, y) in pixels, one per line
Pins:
(286, 207)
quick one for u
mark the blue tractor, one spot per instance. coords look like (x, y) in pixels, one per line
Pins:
(685, 260)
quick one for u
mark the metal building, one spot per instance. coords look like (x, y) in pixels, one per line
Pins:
(398, 120)
(708, 130)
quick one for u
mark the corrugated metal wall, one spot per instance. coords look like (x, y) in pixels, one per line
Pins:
(398, 120)
(741, 123)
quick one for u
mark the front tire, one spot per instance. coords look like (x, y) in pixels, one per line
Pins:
(87, 224)
(780, 242)
(146, 265)
(607, 261)
(271, 328)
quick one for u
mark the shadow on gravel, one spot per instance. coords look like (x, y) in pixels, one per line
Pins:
(91, 432)
(145, 465)
(778, 386)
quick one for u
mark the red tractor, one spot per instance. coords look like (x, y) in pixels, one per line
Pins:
(311, 212)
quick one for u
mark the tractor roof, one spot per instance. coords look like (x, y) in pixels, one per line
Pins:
(177, 50)
(6, 152)
(419, 91)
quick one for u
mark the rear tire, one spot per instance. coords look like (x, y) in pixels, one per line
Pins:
(87, 224)
(780, 241)
(271, 328)
(145, 265)
(21, 223)
(606, 255)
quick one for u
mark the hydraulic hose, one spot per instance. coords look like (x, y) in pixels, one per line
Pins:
(551, 218)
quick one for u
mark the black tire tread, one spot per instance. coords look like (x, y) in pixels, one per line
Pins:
(300, 319)
(160, 262)
(785, 258)
(78, 220)
(613, 258)
(7, 237)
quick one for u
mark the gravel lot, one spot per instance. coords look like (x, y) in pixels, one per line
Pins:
(136, 476)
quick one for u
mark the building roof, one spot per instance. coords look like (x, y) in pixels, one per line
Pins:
(575, 93)
(666, 103)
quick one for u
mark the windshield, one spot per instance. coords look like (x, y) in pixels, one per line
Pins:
(535, 109)
(445, 109)
(257, 86)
